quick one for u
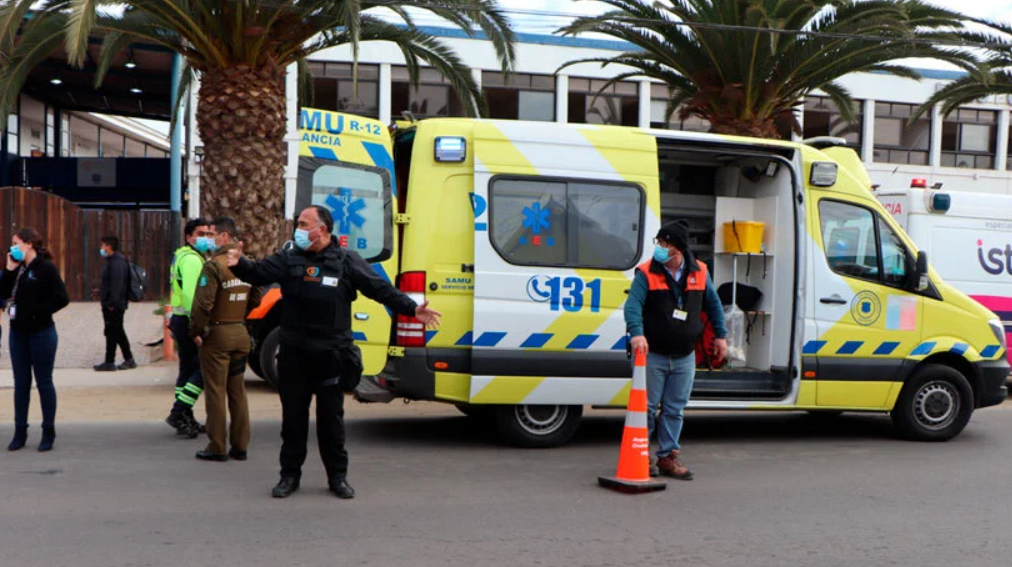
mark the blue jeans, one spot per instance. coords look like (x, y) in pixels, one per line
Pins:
(669, 383)
(36, 351)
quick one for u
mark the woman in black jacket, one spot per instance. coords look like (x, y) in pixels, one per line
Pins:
(33, 289)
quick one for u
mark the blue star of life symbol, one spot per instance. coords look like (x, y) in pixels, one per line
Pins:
(346, 210)
(536, 218)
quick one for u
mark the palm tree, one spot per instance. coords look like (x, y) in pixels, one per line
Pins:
(720, 64)
(992, 77)
(240, 49)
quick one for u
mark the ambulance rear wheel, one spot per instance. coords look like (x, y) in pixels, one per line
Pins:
(269, 357)
(935, 404)
(537, 426)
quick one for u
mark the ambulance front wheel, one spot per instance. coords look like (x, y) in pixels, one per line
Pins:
(537, 426)
(268, 355)
(935, 404)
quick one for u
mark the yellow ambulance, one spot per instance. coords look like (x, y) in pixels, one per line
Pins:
(525, 235)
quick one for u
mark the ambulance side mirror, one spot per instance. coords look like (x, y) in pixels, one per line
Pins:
(919, 277)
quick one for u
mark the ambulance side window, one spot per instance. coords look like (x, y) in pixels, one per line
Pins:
(566, 223)
(859, 244)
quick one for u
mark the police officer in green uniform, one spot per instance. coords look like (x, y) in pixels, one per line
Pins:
(319, 280)
(218, 326)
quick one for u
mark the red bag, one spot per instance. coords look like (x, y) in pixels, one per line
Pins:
(706, 351)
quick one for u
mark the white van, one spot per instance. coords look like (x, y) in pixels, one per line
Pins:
(968, 237)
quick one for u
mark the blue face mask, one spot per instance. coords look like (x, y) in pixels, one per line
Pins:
(205, 244)
(302, 239)
(103, 253)
(661, 254)
(17, 254)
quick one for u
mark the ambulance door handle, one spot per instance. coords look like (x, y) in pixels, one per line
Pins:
(361, 316)
(833, 300)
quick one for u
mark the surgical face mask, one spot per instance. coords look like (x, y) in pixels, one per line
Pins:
(103, 252)
(205, 244)
(17, 254)
(302, 239)
(661, 254)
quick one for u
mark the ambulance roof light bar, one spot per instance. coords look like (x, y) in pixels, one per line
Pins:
(919, 183)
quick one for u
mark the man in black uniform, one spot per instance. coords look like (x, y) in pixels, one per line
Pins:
(319, 280)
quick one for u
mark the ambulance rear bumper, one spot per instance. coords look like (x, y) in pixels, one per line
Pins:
(410, 376)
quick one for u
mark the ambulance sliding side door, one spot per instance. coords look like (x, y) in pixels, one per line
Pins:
(558, 231)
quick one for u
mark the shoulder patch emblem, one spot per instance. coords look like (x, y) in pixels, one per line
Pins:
(203, 281)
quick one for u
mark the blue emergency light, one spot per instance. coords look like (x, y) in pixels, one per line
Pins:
(940, 202)
(450, 149)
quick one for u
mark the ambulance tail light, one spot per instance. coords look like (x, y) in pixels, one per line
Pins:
(919, 183)
(411, 331)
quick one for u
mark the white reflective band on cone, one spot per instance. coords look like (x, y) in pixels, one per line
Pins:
(637, 419)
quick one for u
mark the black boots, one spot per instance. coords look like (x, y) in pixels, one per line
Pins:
(285, 487)
(128, 364)
(48, 436)
(105, 367)
(20, 438)
(340, 487)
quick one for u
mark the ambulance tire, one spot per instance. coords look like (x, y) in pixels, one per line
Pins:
(537, 426)
(935, 404)
(253, 361)
(269, 357)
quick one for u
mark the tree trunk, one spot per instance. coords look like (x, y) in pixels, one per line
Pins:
(753, 128)
(241, 120)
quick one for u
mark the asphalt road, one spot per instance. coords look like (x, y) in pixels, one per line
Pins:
(435, 489)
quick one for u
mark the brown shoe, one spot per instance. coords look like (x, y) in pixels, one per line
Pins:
(671, 466)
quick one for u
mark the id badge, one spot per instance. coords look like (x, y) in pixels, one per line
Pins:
(680, 315)
(329, 281)
(12, 310)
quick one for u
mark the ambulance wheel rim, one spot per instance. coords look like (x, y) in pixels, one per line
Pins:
(936, 405)
(541, 420)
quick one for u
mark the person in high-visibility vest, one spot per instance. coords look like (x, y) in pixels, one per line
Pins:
(187, 264)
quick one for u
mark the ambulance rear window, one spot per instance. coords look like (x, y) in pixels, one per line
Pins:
(359, 197)
(538, 221)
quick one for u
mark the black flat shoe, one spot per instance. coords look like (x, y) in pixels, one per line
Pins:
(104, 367)
(285, 487)
(342, 489)
(237, 454)
(209, 456)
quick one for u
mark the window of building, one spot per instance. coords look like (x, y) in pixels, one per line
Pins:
(32, 127)
(334, 88)
(83, 138)
(112, 144)
(521, 97)
(65, 148)
(572, 223)
(659, 103)
(860, 244)
(896, 139)
(50, 132)
(823, 118)
(432, 97)
(134, 148)
(617, 104)
(969, 138)
(13, 142)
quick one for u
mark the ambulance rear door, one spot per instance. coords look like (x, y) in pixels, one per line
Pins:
(563, 214)
(345, 164)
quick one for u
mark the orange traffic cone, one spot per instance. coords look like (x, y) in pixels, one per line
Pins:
(633, 474)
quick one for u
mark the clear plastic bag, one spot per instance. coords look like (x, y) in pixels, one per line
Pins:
(734, 319)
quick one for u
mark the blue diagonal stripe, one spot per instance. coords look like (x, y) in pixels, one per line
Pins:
(489, 339)
(536, 340)
(466, 339)
(812, 347)
(323, 153)
(582, 342)
(358, 336)
(621, 344)
(849, 347)
(923, 349)
(429, 335)
(959, 348)
(990, 350)
(886, 348)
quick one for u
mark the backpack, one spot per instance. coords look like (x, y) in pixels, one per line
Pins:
(138, 280)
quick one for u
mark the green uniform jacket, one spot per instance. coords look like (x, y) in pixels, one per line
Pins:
(220, 297)
(186, 266)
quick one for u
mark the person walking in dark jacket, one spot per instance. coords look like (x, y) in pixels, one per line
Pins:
(114, 291)
(32, 287)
